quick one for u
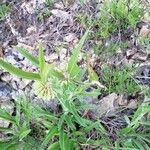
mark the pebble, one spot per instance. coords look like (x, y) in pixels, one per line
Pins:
(61, 14)
(62, 54)
(53, 57)
(5, 92)
(70, 37)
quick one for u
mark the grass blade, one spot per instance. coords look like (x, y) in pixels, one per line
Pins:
(65, 142)
(6, 130)
(50, 134)
(18, 72)
(24, 52)
(73, 68)
(5, 115)
(54, 146)
(24, 133)
(70, 123)
(41, 58)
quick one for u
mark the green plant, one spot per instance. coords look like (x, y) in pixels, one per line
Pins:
(4, 9)
(45, 12)
(119, 81)
(49, 77)
(51, 83)
(136, 134)
(49, 3)
(35, 128)
(115, 15)
(18, 135)
(144, 41)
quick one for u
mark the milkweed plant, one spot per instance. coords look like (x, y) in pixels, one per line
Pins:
(53, 83)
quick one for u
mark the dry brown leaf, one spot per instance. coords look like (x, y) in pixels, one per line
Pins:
(132, 104)
(106, 105)
(140, 56)
(130, 52)
(136, 55)
(122, 101)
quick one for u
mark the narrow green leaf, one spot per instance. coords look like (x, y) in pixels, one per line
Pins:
(35, 61)
(24, 133)
(56, 73)
(48, 137)
(18, 72)
(45, 72)
(73, 68)
(6, 130)
(5, 115)
(86, 107)
(138, 144)
(17, 116)
(61, 121)
(9, 145)
(79, 120)
(65, 142)
(69, 122)
(40, 113)
(41, 58)
(54, 146)
(30, 57)
(62, 140)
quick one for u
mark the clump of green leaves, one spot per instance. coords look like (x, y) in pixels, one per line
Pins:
(66, 86)
(115, 15)
(136, 134)
(46, 12)
(4, 9)
(118, 15)
(119, 80)
(35, 128)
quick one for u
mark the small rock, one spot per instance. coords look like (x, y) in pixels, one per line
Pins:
(70, 37)
(51, 105)
(15, 85)
(31, 30)
(61, 14)
(63, 54)
(53, 57)
(145, 31)
(5, 92)
(6, 77)
(24, 83)
(59, 5)
(12, 60)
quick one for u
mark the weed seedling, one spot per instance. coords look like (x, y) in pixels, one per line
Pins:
(4, 9)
